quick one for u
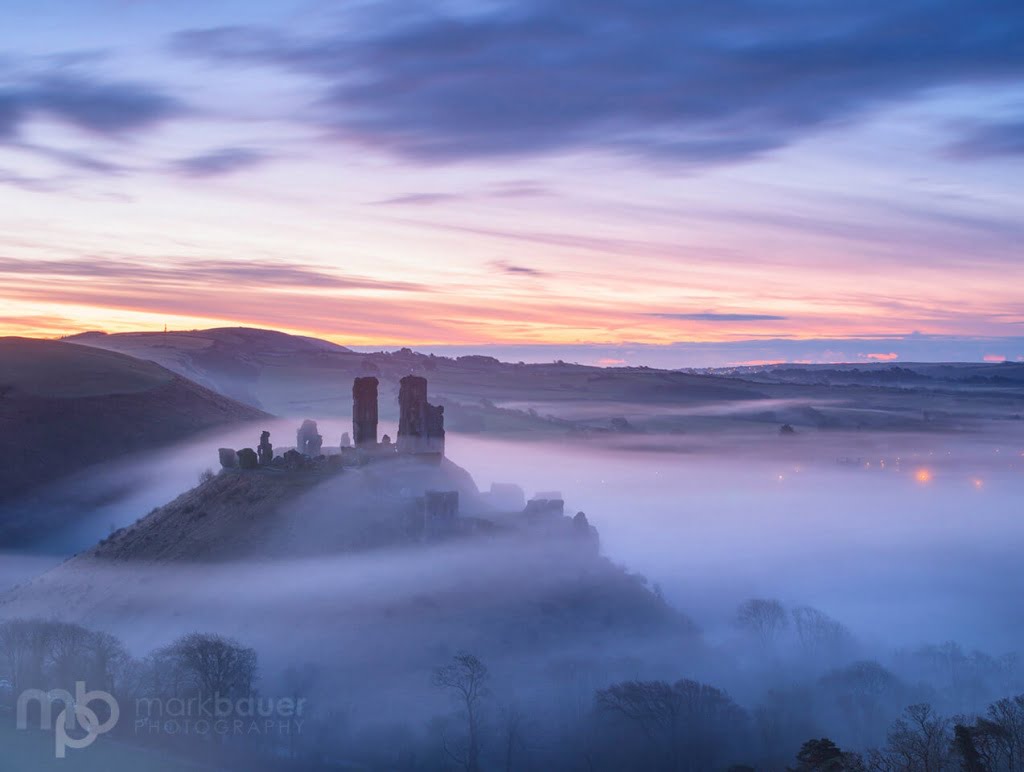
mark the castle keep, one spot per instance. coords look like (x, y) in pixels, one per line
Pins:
(420, 424)
(364, 412)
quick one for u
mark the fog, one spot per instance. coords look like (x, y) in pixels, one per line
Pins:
(838, 521)
(907, 540)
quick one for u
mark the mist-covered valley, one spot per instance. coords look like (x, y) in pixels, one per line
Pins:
(599, 570)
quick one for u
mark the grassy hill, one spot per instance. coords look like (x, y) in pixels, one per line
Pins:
(64, 407)
(260, 554)
(290, 375)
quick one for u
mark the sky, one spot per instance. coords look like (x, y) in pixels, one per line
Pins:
(666, 182)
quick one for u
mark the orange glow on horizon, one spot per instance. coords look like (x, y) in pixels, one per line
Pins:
(923, 476)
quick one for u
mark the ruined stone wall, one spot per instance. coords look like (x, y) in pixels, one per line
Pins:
(364, 412)
(412, 414)
(435, 429)
(420, 424)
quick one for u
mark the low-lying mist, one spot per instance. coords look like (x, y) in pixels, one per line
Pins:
(884, 564)
(907, 538)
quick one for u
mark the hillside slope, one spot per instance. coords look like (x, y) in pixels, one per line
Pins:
(262, 555)
(64, 407)
(289, 374)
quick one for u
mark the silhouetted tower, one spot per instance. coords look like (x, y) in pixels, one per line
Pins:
(364, 412)
(412, 414)
(420, 424)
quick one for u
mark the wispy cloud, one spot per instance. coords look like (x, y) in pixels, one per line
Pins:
(266, 275)
(517, 270)
(420, 199)
(105, 107)
(992, 139)
(25, 182)
(711, 316)
(219, 162)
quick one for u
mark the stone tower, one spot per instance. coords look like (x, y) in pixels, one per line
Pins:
(420, 424)
(364, 412)
(412, 414)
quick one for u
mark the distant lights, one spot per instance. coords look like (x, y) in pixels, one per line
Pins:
(978, 483)
(923, 475)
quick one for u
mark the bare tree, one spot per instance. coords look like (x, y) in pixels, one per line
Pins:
(1008, 715)
(821, 636)
(919, 741)
(108, 658)
(69, 653)
(762, 618)
(14, 647)
(217, 665)
(688, 723)
(823, 755)
(994, 741)
(466, 678)
(513, 722)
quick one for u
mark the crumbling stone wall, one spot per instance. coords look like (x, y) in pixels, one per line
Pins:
(308, 440)
(420, 424)
(364, 412)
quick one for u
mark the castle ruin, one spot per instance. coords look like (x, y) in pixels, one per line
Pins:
(308, 440)
(420, 432)
(420, 424)
(364, 412)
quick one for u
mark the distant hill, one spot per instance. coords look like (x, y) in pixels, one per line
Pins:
(301, 377)
(64, 407)
(229, 360)
(902, 374)
(290, 375)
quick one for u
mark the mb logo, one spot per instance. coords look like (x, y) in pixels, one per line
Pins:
(75, 717)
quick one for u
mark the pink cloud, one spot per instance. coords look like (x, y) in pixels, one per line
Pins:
(994, 358)
(882, 357)
(609, 362)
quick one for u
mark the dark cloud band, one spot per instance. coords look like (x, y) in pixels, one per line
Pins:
(686, 81)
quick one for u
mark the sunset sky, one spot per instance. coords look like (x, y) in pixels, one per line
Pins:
(643, 181)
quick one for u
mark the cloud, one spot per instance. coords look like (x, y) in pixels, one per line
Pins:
(996, 358)
(517, 270)
(517, 189)
(710, 316)
(419, 199)
(890, 357)
(108, 108)
(74, 159)
(267, 275)
(1004, 138)
(225, 160)
(33, 184)
(910, 348)
(688, 81)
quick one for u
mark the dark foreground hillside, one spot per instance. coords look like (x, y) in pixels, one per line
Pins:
(64, 407)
